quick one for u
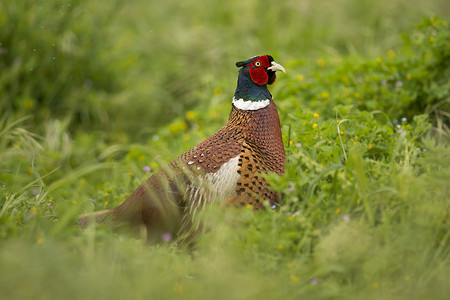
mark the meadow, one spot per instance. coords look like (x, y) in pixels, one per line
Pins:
(97, 96)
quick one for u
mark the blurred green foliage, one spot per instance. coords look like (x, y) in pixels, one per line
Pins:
(115, 67)
(410, 80)
(53, 60)
(364, 116)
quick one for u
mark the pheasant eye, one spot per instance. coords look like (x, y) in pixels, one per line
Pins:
(258, 64)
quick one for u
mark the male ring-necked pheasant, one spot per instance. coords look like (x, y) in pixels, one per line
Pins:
(226, 168)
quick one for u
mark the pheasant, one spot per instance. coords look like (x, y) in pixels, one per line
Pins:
(226, 168)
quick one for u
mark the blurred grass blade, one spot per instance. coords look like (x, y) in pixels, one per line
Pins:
(340, 138)
(78, 173)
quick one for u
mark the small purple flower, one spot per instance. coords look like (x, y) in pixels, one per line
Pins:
(314, 282)
(346, 218)
(49, 203)
(400, 130)
(291, 188)
(383, 82)
(147, 169)
(93, 201)
(298, 145)
(167, 237)
(404, 119)
(398, 84)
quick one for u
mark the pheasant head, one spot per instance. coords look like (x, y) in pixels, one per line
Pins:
(254, 76)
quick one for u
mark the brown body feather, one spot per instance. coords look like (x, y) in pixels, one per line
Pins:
(164, 198)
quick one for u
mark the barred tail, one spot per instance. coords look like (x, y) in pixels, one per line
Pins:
(103, 216)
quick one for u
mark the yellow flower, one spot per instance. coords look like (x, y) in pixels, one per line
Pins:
(408, 77)
(294, 278)
(106, 203)
(141, 157)
(391, 53)
(341, 132)
(370, 147)
(74, 202)
(291, 142)
(6, 197)
(344, 79)
(357, 95)
(28, 104)
(39, 240)
(217, 91)
(178, 126)
(407, 278)
(130, 173)
(379, 60)
(289, 266)
(315, 115)
(291, 218)
(375, 285)
(379, 135)
(431, 38)
(315, 125)
(300, 77)
(320, 62)
(190, 115)
(338, 210)
(30, 170)
(212, 113)
(324, 95)
(281, 247)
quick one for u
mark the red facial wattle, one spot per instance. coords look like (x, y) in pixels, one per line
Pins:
(258, 71)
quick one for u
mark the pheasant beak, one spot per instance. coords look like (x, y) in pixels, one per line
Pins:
(276, 67)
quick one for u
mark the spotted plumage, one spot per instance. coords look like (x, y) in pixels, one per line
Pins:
(227, 168)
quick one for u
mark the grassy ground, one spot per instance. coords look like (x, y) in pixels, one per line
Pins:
(93, 95)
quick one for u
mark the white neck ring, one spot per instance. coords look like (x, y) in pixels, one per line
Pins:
(250, 105)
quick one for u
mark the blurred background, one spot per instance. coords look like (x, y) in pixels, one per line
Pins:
(95, 96)
(121, 69)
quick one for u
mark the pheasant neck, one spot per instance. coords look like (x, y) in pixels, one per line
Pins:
(249, 95)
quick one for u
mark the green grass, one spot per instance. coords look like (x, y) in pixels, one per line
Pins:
(364, 113)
